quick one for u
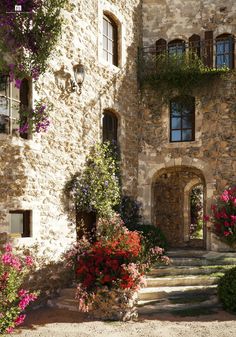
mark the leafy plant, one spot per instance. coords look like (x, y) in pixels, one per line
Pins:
(13, 299)
(27, 38)
(223, 216)
(35, 120)
(96, 188)
(130, 213)
(176, 72)
(227, 290)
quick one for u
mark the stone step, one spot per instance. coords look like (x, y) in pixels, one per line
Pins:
(167, 306)
(186, 253)
(198, 280)
(203, 261)
(163, 271)
(156, 293)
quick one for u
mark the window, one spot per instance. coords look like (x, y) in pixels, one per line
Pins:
(12, 100)
(176, 47)
(195, 45)
(161, 46)
(20, 222)
(225, 51)
(110, 40)
(109, 127)
(182, 119)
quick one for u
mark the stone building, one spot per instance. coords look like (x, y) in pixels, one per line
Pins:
(161, 164)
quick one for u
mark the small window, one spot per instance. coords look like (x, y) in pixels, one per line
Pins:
(182, 119)
(225, 51)
(109, 127)
(110, 40)
(20, 223)
(176, 47)
(11, 104)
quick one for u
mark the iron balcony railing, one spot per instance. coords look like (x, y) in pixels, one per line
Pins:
(211, 54)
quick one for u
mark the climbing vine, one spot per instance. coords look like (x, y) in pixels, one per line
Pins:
(27, 39)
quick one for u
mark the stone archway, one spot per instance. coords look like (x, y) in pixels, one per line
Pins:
(170, 203)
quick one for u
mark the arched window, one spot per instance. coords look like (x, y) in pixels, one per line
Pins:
(161, 46)
(109, 127)
(176, 47)
(225, 51)
(195, 44)
(182, 119)
(110, 40)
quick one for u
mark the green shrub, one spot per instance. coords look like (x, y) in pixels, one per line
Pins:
(130, 213)
(227, 290)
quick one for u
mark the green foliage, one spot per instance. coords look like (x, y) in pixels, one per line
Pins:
(196, 203)
(179, 73)
(96, 188)
(227, 290)
(29, 38)
(130, 214)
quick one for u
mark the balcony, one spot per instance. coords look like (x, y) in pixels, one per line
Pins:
(182, 67)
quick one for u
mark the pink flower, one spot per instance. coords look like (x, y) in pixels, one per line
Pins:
(9, 330)
(29, 260)
(22, 292)
(225, 196)
(20, 319)
(227, 233)
(8, 247)
(6, 258)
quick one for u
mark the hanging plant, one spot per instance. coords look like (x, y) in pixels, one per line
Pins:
(35, 120)
(176, 74)
(27, 38)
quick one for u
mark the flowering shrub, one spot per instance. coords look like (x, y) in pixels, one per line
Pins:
(224, 216)
(112, 261)
(96, 188)
(13, 299)
(35, 120)
(28, 37)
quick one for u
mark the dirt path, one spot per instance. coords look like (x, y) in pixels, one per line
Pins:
(61, 323)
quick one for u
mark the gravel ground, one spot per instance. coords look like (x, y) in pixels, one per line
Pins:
(49, 322)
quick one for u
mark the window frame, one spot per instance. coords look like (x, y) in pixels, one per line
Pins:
(223, 39)
(176, 43)
(27, 222)
(114, 130)
(181, 129)
(113, 39)
(10, 101)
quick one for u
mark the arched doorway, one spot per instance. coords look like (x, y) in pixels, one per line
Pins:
(178, 205)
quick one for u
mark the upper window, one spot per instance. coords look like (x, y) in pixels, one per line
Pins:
(176, 47)
(12, 100)
(110, 40)
(109, 127)
(225, 51)
(182, 119)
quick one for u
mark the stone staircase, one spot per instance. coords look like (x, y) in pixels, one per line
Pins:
(189, 283)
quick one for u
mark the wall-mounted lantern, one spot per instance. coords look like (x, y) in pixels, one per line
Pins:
(79, 74)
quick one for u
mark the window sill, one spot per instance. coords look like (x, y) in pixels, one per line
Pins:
(109, 66)
(195, 143)
(21, 142)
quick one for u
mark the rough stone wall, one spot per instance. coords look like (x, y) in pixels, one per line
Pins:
(214, 150)
(34, 172)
